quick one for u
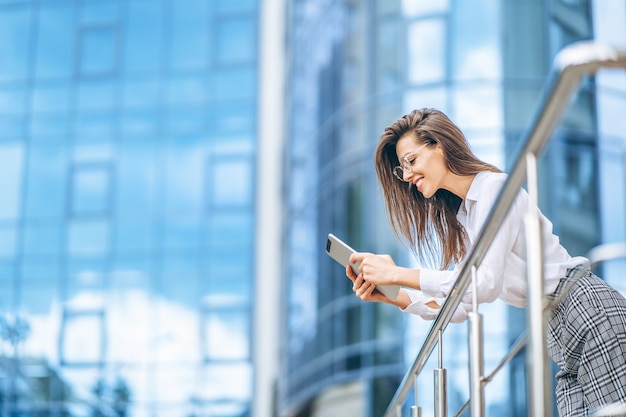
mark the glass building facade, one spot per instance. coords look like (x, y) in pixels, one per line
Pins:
(128, 139)
(356, 66)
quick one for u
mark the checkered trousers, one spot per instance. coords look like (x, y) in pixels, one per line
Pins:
(587, 339)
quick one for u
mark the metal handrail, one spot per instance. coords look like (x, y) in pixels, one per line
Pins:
(570, 65)
(606, 252)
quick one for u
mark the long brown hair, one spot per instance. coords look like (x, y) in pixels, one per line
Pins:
(428, 225)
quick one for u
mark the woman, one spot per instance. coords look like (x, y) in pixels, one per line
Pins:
(438, 196)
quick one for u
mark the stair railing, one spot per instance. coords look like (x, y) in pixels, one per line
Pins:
(569, 67)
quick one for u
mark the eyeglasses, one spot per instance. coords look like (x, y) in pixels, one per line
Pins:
(406, 162)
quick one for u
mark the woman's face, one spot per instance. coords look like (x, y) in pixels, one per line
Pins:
(424, 166)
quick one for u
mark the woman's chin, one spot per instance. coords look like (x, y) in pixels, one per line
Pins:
(425, 193)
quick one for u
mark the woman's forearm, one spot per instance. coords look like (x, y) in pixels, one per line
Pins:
(407, 277)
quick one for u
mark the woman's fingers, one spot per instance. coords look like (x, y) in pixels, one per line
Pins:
(350, 273)
(364, 290)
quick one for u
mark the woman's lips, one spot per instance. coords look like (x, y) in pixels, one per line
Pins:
(418, 183)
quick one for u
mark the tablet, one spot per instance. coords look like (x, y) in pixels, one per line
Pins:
(340, 252)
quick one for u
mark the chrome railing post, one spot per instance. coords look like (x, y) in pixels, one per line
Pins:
(477, 395)
(441, 384)
(537, 357)
(415, 410)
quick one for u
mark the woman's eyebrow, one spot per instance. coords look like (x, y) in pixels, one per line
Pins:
(414, 151)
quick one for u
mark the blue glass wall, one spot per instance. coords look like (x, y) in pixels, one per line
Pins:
(127, 159)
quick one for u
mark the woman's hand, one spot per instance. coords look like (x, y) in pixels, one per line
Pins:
(382, 270)
(375, 269)
(365, 290)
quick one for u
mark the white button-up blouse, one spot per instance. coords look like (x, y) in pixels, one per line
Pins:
(502, 272)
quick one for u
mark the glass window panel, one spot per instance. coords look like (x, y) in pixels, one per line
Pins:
(191, 89)
(96, 95)
(12, 163)
(415, 8)
(238, 144)
(180, 276)
(182, 233)
(579, 166)
(93, 152)
(55, 40)
(179, 263)
(185, 389)
(49, 125)
(141, 92)
(233, 118)
(475, 46)
(189, 46)
(85, 275)
(88, 237)
(136, 184)
(226, 381)
(184, 180)
(83, 377)
(90, 190)
(12, 99)
(95, 11)
(12, 126)
(223, 407)
(129, 335)
(388, 63)
(136, 235)
(427, 51)
(237, 5)
(234, 229)
(225, 255)
(14, 41)
(186, 120)
(143, 34)
(236, 40)
(230, 182)
(37, 298)
(7, 269)
(144, 125)
(98, 50)
(84, 299)
(488, 146)
(46, 182)
(8, 241)
(82, 338)
(132, 271)
(8, 293)
(39, 343)
(178, 337)
(235, 84)
(95, 126)
(478, 107)
(40, 267)
(226, 286)
(42, 238)
(227, 335)
(435, 97)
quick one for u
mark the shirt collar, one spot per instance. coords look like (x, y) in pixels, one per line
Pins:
(474, 190)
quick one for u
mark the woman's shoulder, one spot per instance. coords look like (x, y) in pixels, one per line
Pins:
(490, 179)
(493, 175)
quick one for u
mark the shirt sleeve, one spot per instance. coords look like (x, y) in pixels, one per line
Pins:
(418, 306)
(490, 273)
